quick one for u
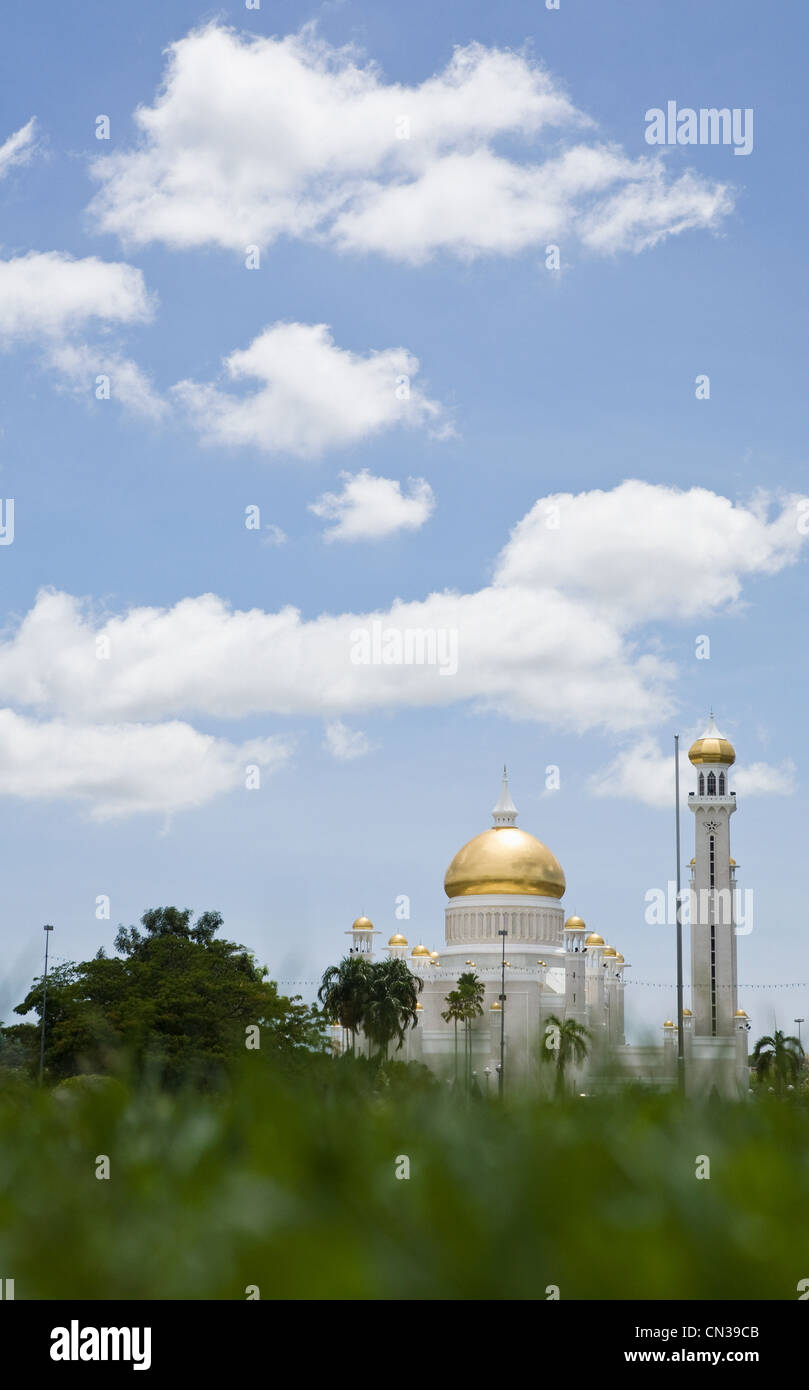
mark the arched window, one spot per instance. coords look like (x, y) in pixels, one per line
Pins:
(702, 784)
(712, 784)
(721, 784)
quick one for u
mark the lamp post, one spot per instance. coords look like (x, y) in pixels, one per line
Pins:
(680, 1038)
(799, 1021)
(504, 934)
(46, 929)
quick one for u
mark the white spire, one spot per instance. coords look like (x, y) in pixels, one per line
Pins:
(505, 812)
(712, 731)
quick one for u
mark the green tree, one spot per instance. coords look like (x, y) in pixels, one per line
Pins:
(176, 1000)
(471, 991)
(390, 1009)
(344, 993)
(455, 1014)
(564, 1042)
(777, 1061)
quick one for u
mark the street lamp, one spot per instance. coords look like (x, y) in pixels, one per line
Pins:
(46, 929)
(504, 934)
(799, 1021)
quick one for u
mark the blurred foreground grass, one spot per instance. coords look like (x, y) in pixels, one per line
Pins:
(289, 1182)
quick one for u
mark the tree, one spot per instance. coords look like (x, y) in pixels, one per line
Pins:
(455, 1013)
(390, 1008)
(344, 993)
(176, 1000)
(564, 1042)
(471, 991)
(777, 1060)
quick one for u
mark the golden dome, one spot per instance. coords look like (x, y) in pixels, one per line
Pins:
(610, 951)
(504, 859)
(668, 1024)
(619, 957)
(419, 1008)
(397, 940)
(687, 1013)
(420, 951)
(362, 924)
(693, 861)
(575, 924)
(594, 939)
(740, 1013)
(733, 863)
(713, 747)
(434, 955)
(493, 1008)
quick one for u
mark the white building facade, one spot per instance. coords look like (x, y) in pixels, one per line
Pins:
(504, 893)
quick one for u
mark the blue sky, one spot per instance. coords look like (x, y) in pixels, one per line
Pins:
(530, 384)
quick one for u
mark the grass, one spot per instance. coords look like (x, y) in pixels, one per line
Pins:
(288, 1183)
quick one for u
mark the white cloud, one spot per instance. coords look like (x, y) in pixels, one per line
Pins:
(649, 551)
(55, 301)
(556, 638)
(49, 293)
(80, 366)
(18, 148)
(313, 395)
(120, 769)
(643, 771)
(369, 508)
(253, 138)
(273, 535)
(343, 743)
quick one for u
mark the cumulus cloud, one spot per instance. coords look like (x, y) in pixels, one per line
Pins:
(313, 394)
(56, 301)
(644, 772)
(557, 637)
(253, 138)
(18, 148)
(369, 508)
(649, 551)
(344, 743)
(120, 769)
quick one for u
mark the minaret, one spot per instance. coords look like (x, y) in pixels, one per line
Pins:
(713, 935)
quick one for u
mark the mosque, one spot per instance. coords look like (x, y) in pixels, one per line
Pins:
(504, 921)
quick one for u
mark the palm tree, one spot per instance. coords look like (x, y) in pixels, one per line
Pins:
(778, 1058)
(570, 1045)
(471, 991)
(344, 992)
(456, 1013)
(390, 1007)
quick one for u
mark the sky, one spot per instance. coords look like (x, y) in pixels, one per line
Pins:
(320, 321)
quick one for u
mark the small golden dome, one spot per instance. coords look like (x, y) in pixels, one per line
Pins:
(362, 924)
(433, 955)
(594, 939)
(740, 1013)
(493, 1008)
(504, 859)
(668, 1024)
(419, 1008)
(687, 1013)
(397, 940)
(712, 747)
(610, 951)
(420, 951)
(692, 861)
(575, 924)
(733, 863)
(619, 957)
